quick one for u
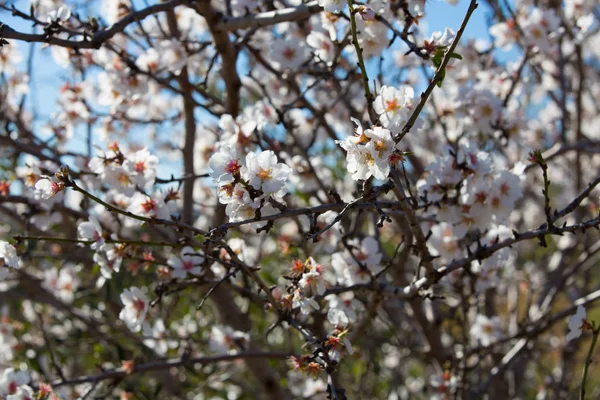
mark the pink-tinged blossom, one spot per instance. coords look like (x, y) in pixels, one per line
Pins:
(539, 27)
(445, 384)
(235, 194)
(288, 54)
(45, 220)
(22, 393)
(149, 60)
(136, 307)
(155, 337)
(149, 206)
(577, 323)
(337, 343)
(323, 47)
(11, 380)
(173, 55)
(345, 304)
(261, 114)
(91, 230)
(506, 190)
(113, 10)
(142, 167)
(306, 387)
(366, 13)
(8, 341)
(359, 267)
(237, 211)
(236, 132)
(483, 108)
(47, 187)
(505, 34)
(107, 266)
(306, 304)
(10, 57)
(188, 262)
(312, 281)
(579, 8)
(62, 283)
(372, 37)
(225, 340)
(444, 241)
(337, 317)
(225, 165)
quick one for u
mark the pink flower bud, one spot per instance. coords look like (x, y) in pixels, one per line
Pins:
(277, 293)
(366, 13)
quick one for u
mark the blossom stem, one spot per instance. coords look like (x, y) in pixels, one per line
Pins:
(439, 75)
(539, 159)
(151, 221)
(588, 362)
(359, 54)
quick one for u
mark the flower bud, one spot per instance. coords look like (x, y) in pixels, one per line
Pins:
(366, 13)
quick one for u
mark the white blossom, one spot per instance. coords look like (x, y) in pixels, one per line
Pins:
(333, 5)
(188, 262)
(136, 307)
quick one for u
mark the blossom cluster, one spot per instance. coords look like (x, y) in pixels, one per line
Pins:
(250, 187)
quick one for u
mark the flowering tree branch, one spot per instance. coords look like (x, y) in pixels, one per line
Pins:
(196, 189)
(439, 75)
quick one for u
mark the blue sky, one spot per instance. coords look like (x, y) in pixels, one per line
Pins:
(441, 14)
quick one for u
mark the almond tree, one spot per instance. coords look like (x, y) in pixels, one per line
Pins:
(298, 199)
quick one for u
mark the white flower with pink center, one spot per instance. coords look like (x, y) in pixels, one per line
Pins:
(312, 281)
(142, 167)
(11, 379)
(47, 187)
(225, 165)
(149, 206)
(156, 337)
(22, 393)
(136, 307)
(188, 262)
(91, 230)
(323, 47)
(360, 266)
(288, 54)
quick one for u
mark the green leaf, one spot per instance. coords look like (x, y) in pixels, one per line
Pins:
(442, 76)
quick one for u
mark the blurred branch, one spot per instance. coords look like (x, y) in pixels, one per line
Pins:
(166, 364)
